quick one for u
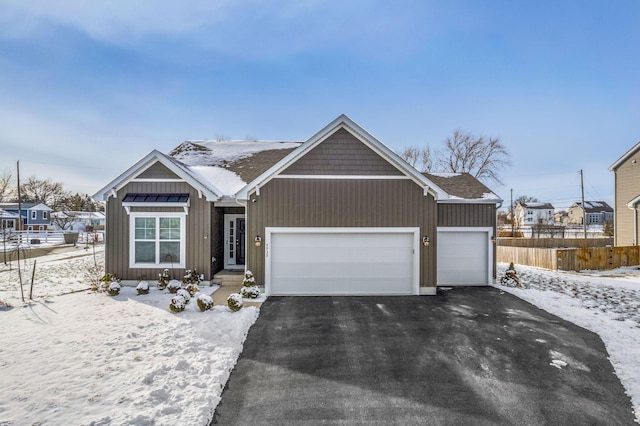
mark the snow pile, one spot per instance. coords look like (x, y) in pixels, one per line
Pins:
(607, 303)
(223, 179)
(88, 358)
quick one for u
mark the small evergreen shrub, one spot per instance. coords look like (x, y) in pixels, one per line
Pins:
(192, 289)
(204, 302)
(174, 286)
(251, 292)
(114, 288)
(185, 295)
(177, 304)
(163, 279)
(510, 278)
(143, 287)
(248, 280)
(191, 277)
(234, 301)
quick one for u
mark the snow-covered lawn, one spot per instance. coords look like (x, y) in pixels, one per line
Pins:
(87, 358)
(605, 302)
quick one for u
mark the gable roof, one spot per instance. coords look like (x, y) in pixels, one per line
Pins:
(594, 206)
(361, 134)
(192, 177)
(625, 157)
(537, 205)
(25, 206)
(463, 187)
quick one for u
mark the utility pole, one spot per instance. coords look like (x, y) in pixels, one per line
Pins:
(513, 219)
(19, 228)
(584, 208)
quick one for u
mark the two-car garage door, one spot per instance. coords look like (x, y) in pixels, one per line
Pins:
(342, 261)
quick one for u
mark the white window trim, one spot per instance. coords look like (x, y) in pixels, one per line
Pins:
(132, 240)
(34, 215)
(44, 215)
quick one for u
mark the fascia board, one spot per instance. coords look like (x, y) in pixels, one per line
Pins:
(470, 201)
(212, 194)
(624, 158)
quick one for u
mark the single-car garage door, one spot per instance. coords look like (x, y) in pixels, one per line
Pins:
(341, 261)
(464, 257)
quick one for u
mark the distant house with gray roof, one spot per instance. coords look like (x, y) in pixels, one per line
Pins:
(597, 213)
(534, 213)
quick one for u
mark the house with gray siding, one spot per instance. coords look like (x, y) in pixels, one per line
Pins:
(339, 213)
(35, 216)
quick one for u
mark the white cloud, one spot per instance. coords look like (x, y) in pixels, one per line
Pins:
(111, 20)
(242, 28)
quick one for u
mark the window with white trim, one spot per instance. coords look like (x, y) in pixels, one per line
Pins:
(44, 214)
(157, 240)
(34, 214)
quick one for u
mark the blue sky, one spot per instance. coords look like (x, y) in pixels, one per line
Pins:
(88, 88)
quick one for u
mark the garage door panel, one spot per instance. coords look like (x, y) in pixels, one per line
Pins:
(463, 258)
(342, 263)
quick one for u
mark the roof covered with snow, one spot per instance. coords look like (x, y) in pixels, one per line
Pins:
(538, 205)
(230, 165)
(594, 206)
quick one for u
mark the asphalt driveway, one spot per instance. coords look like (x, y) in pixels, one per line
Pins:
(473, 356)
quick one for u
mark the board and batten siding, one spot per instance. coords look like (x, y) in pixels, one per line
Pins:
(198, 226)
(157, 171)
(342, 154)
(341, 203)
(469, 215)
(627, 187)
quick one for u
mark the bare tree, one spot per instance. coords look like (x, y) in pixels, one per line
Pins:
(6, 186)
(45, 191)
(64, 220)
(477, 155)
(420, 158)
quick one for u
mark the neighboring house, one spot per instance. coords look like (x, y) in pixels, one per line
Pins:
(8, 220)
(77, 220)
(35, 216)
(627, 197)
(340, 213)
(534, 213)
(597, 213)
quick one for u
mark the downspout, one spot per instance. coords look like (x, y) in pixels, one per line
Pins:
(634, 206)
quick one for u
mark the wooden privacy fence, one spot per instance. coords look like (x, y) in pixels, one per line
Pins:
(555, 242)
(571, 259)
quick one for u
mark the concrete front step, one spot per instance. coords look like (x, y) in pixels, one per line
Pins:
(228, 278)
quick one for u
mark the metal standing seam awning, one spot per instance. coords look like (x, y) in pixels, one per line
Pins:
(136, 199)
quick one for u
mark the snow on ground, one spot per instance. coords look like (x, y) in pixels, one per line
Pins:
(605, 302)
(88, 358)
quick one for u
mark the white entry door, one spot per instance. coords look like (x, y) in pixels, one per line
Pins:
(464, 256)
(234, 241)
(342, 261)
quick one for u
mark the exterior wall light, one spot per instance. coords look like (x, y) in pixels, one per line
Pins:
(493, 239)
(425, 241)
(258, 241)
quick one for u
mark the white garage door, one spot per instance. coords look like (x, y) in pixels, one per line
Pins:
(332, 261)
(463, 256)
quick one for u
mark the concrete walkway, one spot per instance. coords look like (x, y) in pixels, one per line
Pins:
(472, 356)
